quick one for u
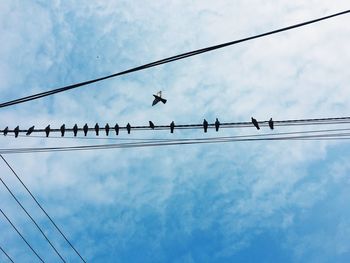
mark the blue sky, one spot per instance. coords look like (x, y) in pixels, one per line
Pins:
(232, 202)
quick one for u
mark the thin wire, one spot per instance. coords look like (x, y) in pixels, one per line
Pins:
(7, 255)
(42, 209)
(166, 60)
(19, 233)
(33, 220)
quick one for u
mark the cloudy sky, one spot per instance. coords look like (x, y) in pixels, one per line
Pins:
(232, 202)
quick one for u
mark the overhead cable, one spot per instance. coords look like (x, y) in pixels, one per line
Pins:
(6, 254)
(166, 60)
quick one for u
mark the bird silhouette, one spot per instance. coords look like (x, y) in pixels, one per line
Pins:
(6, 130)
(107, 129)
(158, 98)
(271, 123)
(217, 124)
(75, 130)
(16, 131)
(97, 128)
(172, 127)
(30, 130)
(63, 130)
(151, 125)
(255, 123)
(128, 128)
(47, 130)
(205, 125)
(85, 129)
(116, 128)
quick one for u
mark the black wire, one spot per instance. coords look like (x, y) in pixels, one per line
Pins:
(33, 220)
(42, 209)
(19, 233)
(166, 60)
(7, 255)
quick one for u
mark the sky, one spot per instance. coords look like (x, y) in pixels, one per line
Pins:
(282, 201)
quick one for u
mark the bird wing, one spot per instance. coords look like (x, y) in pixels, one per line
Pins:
(156, 100)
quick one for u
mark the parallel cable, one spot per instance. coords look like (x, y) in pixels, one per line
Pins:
(23, 238)
(6, 254)
(33, 220)
(166, 60)
(42, 209)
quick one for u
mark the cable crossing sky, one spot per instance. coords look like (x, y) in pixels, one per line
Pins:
(166, 60)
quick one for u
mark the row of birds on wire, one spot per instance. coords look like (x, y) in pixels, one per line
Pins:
(107, 128)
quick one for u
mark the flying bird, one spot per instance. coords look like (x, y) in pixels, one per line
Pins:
(85, 129)
(6, 130)
(116, 128)
(107, 129)
(16, 131)
(217, 124)
(151, 125)
(255, 123)
(172, 127)
(63, 130)
(128, 128)
(158, 98)
(97, 128)
(30, 130)
(205, 125)
(271, 123)
(75, 130)
(47, 130)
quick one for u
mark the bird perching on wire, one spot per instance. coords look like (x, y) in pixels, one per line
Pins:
(158, 98)
(205, 125)
(255, 123)
(30, 130)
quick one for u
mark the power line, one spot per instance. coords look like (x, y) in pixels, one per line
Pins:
(19, 233)
(166, 60)
(33, 220)
(7, 255)
(42, 209)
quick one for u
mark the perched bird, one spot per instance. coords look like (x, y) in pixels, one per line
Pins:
(271, 123)
(172, 127)
(158, 98)
(30, 130)
(205, 125)
(16, 131)
(128, 128)
(47, 130)
(116, 128)
(217, 124)
(97, 128)
(151, 125)
(63, 130)
(255, 123)
(107, 129)
(75, 130)
(6, 130)
(85, 129)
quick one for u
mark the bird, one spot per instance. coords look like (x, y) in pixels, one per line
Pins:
(151, 125)
(75, 130)
(47, 130)
(205, 125)
(30, 130)
(85, 129)
(107, 129)
(63, 129)
(128, 128)
(97, 128)
(255, 123)
(271, 123)
(6, 130)
(158, 98)
(16, 131)
(217, 124)
(116, 128)
(172, 127)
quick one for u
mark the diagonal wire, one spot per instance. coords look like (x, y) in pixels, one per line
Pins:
(33, 220)
(7, 255)
(42, 209)
(166, 60)
(23, 238)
